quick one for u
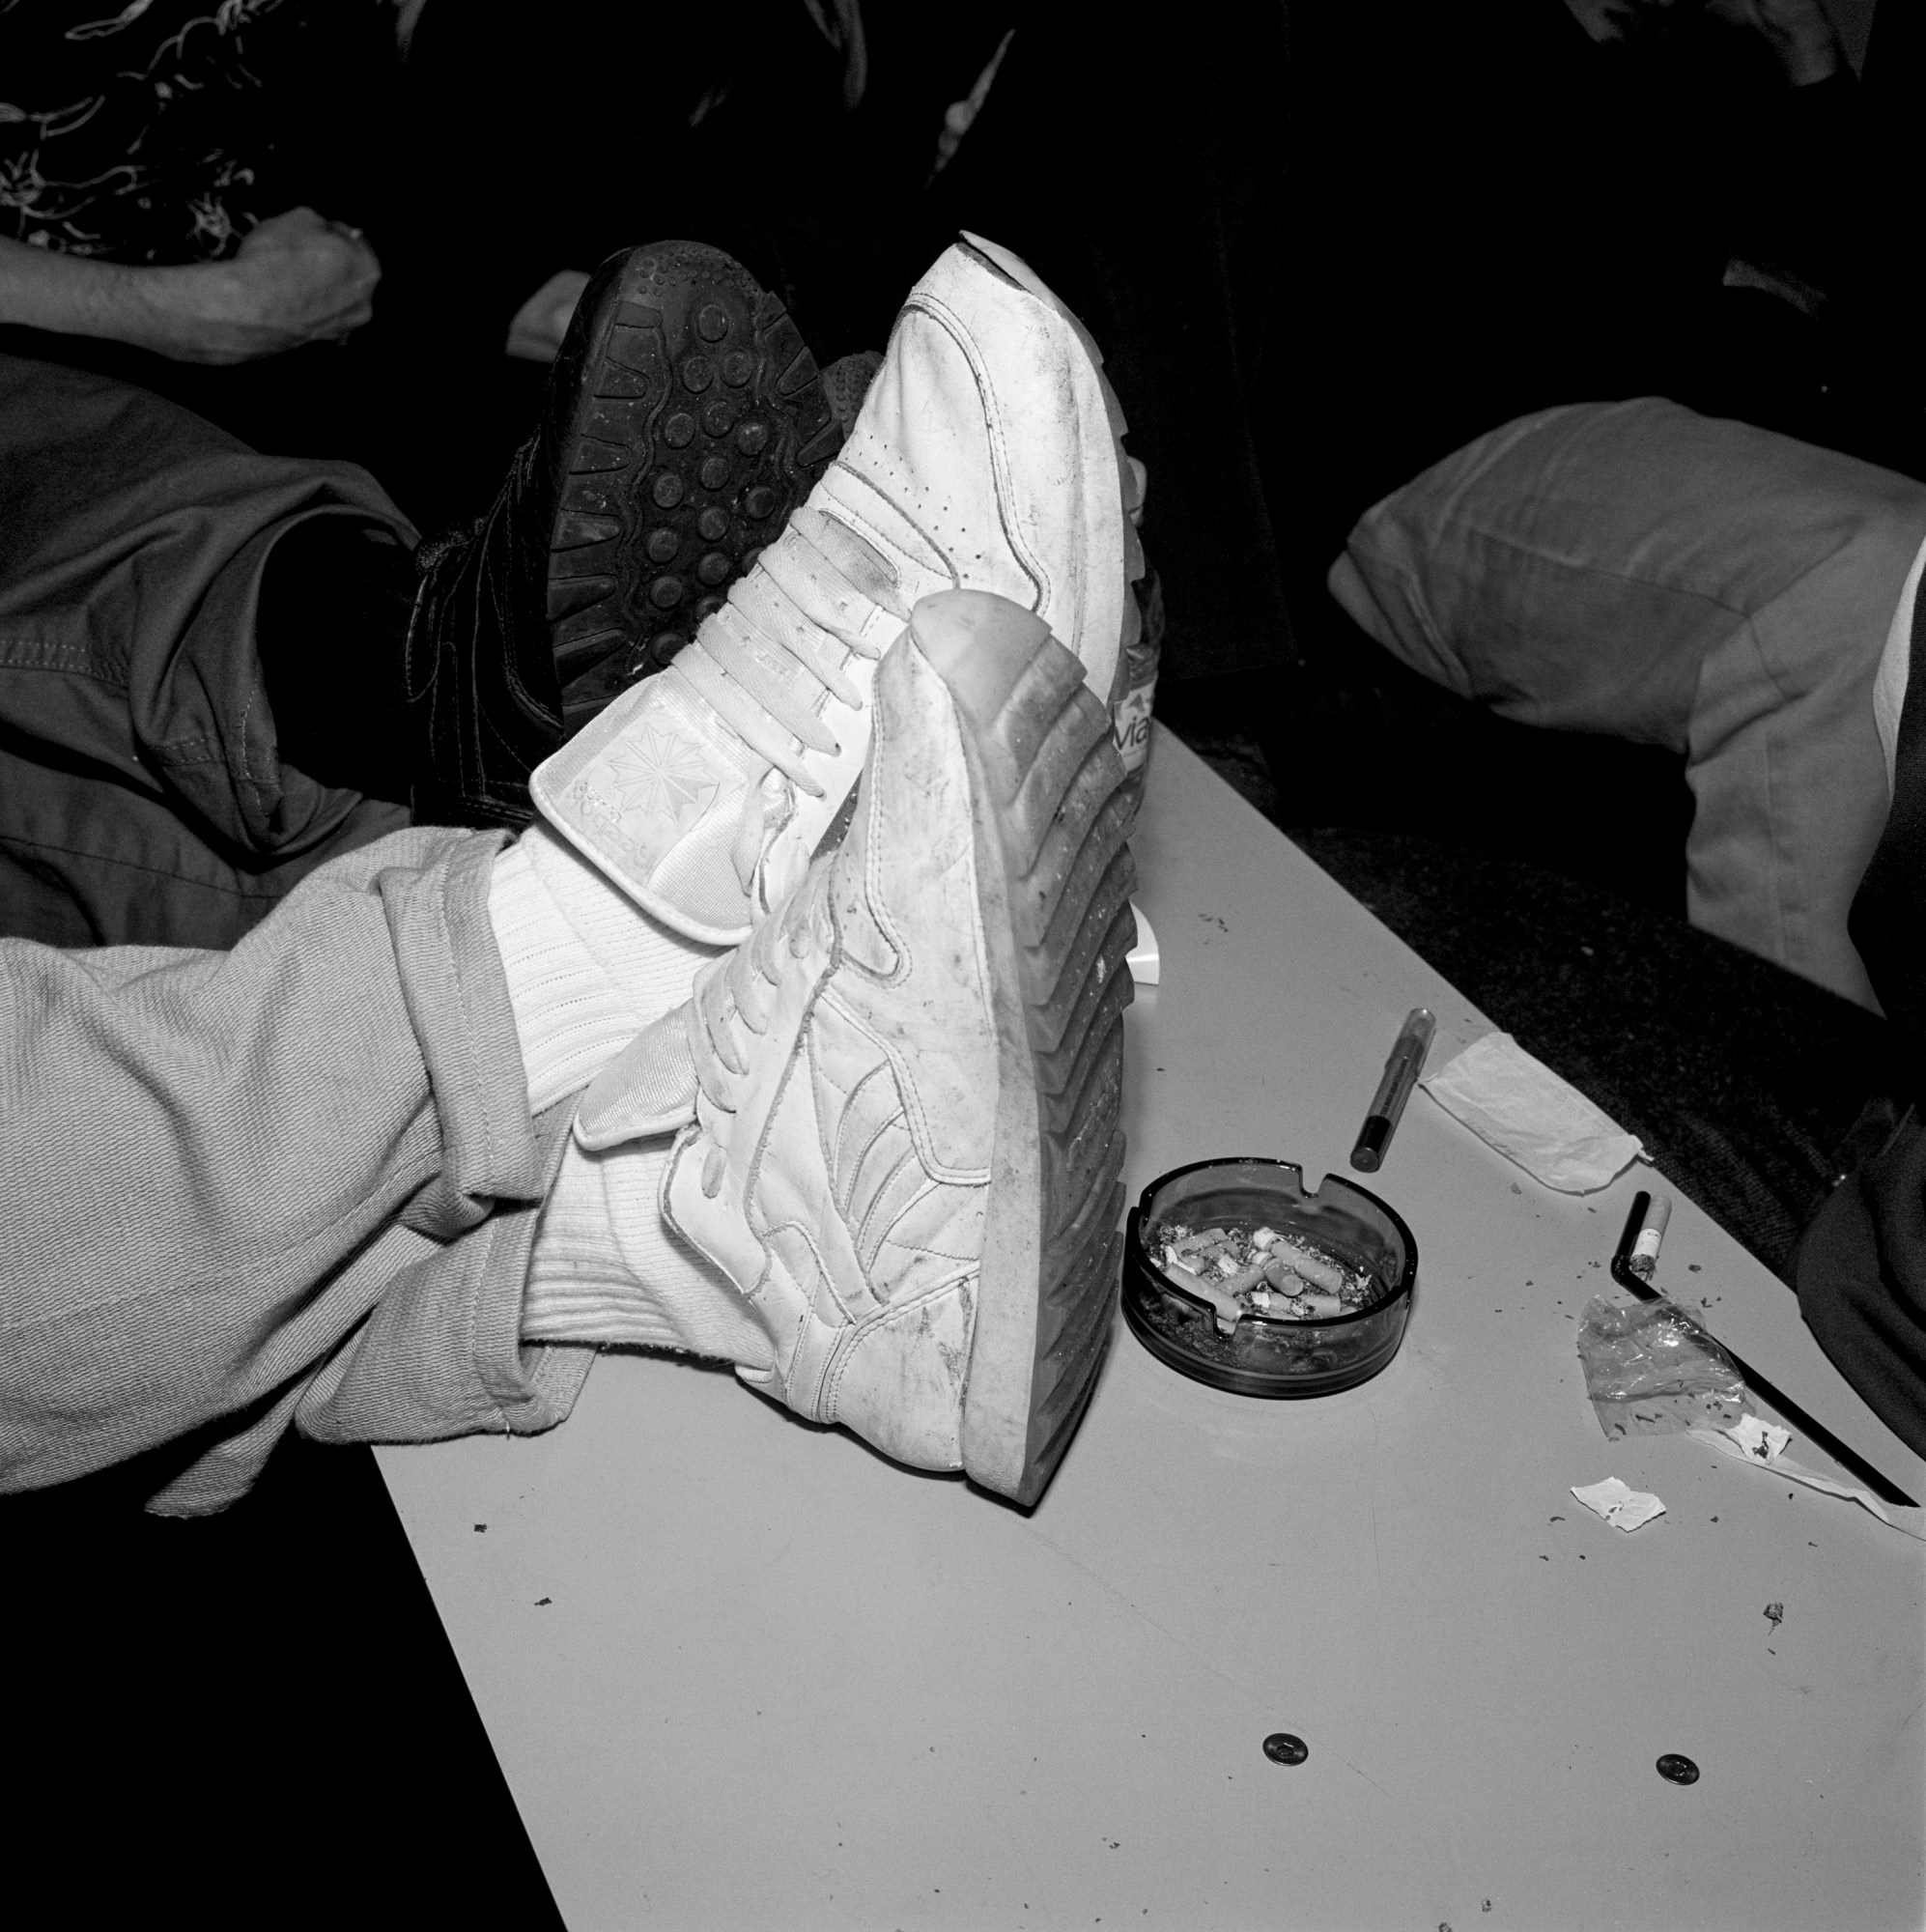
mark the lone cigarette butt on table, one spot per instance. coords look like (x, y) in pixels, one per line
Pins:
(1400, 1075)
(1652, 1224)
(1634, 1261)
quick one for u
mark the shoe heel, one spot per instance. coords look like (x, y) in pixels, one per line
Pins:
(1053, 885)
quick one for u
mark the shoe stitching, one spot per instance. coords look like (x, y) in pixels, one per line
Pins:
(752, 1168)
(817, 1403)
(866, 1252)
(716, 1001)
(853, 519)
(1002, 488)
(938, 1254)
(843, 1181)
(819, 1078)
(916, 1116)
(844, 1354)
(1114, 429)
(885, 1238)
(874, 904)
(907, 1088)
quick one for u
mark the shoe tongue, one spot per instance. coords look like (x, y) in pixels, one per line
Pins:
(649, 1088)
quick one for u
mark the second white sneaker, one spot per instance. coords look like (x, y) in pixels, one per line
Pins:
(906, 1085)
(986, 456)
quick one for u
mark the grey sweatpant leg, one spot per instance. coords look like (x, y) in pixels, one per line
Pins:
(293, 1183)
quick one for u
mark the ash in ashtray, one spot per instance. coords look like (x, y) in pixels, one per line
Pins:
(1245, 1272)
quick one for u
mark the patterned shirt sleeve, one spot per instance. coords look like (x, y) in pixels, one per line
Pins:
(153, 134)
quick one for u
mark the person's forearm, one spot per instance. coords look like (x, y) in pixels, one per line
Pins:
(198, 312)
(69, 294)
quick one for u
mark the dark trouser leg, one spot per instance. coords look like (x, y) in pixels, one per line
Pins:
(143, 795)
(1638, 571)
(330, 631)
(1863, 1267)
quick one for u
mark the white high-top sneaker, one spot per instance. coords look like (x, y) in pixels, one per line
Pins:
(986, 456)
(906, 1146)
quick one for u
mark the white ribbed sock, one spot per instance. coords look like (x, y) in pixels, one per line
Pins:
(588, 968)
(607, 1266)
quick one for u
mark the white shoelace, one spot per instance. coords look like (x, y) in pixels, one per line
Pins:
(735, 995)
(784, 637)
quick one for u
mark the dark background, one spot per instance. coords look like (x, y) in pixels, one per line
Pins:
(1322, 245)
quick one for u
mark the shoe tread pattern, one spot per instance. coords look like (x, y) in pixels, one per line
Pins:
(695, 421)
(1044, 748)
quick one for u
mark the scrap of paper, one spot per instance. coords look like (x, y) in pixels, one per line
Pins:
(1743, 1446)
(1762, 1441)
(1520, 1106)
(1622, 1507)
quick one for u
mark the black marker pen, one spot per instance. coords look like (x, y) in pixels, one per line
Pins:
(1400, 1075)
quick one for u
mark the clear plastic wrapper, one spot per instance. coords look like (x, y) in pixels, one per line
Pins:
(1651, 1369)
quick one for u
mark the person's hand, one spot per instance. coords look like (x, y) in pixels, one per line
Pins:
(1139, 491)
(296, 278)
(1800, 32)
(406, 17)
(540, 324)
(1606, 20)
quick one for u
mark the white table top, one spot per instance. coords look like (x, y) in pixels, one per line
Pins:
(741, 1672)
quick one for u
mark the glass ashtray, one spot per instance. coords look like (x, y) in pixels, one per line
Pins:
(1259, 1341)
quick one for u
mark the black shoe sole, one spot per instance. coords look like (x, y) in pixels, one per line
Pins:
(689, 419)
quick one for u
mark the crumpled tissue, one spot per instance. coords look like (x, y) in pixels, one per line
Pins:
(1520, 1106)
(1762, 1443)
(1623, 1507)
